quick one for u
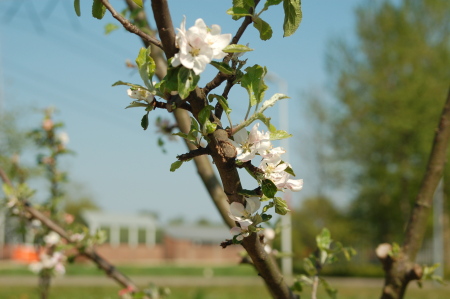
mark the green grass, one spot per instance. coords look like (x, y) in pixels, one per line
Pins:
(235, 292)
(165, 270)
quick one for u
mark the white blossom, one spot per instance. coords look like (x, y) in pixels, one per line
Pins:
(248, 145)
(198, 46)
(140, 94)
(63, 138)
(243, 215)
(52, 238)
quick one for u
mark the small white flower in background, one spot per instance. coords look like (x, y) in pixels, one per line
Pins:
(198, 45)
(248, 145)
(36, 223)
(77, 237)
(35, 267)
(63, 138)
(52, 238)
(140, 94)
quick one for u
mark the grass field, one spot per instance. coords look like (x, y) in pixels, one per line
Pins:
(210, 293)
(164, 270)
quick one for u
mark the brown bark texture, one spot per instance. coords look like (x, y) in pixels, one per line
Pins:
(222, 152)
(400, 268)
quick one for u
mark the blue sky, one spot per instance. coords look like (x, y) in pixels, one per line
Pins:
(52, 57)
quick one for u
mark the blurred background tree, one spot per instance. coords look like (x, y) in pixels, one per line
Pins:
(390, 87)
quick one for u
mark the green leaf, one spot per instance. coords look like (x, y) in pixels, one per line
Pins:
(324, 239)
(240, 6)
(268, 188)
(265, 31)
(279, 134)
(146, 66)
(236, 49)
(281, 206)
(222, 67)
(270, 3)
(222, 101)
(238, 12)
(144, 121)
(76, 5)
(204, 114)
(292, 16)
(175, 165)
(98, 9)
(138, 3)
(290, 171)
(170, 81)
(110, 27)
(187, 81)
(266, 217)
(253, 81)
(7, 189)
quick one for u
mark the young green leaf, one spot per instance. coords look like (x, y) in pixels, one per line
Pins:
(98, 9)
(110, 27)
(236, 49)
(146, 66)
(175, 165)
(324, 239)
(265, 31)
(292, 16)
(253, 81)
(144, 121)
(281, 206)
(76, 5)
(238, 12)
(222, 67)
(222, 101)
(270, 3)
(240, 6)
(187, 81)
(279, 134)
(268, 188)
(138, 3)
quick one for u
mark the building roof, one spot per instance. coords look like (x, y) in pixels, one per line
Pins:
(199, 234)
(122, 220)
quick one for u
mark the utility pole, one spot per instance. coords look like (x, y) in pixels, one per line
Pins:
(286, 221)
(438, 228)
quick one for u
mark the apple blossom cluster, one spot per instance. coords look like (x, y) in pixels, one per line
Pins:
(248, 146)
(274, 168)
(199, 45)
(51, 259)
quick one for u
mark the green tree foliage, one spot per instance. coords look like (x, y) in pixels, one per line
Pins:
(315, 214)
(390, 88)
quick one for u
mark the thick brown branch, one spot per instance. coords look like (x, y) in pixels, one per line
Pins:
(130, 27)
(401, 268)
(415, 230)
(164, 24)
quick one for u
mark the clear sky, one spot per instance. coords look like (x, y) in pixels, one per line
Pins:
(49, 56)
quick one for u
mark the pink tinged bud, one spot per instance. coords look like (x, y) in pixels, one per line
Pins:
(47, 124)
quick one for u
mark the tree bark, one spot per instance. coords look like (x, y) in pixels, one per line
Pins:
(400, 268)
(222, 152)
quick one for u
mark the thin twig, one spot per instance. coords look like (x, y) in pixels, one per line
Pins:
(130, 27)
(220, 77)
(194, 153)
(89, 253)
